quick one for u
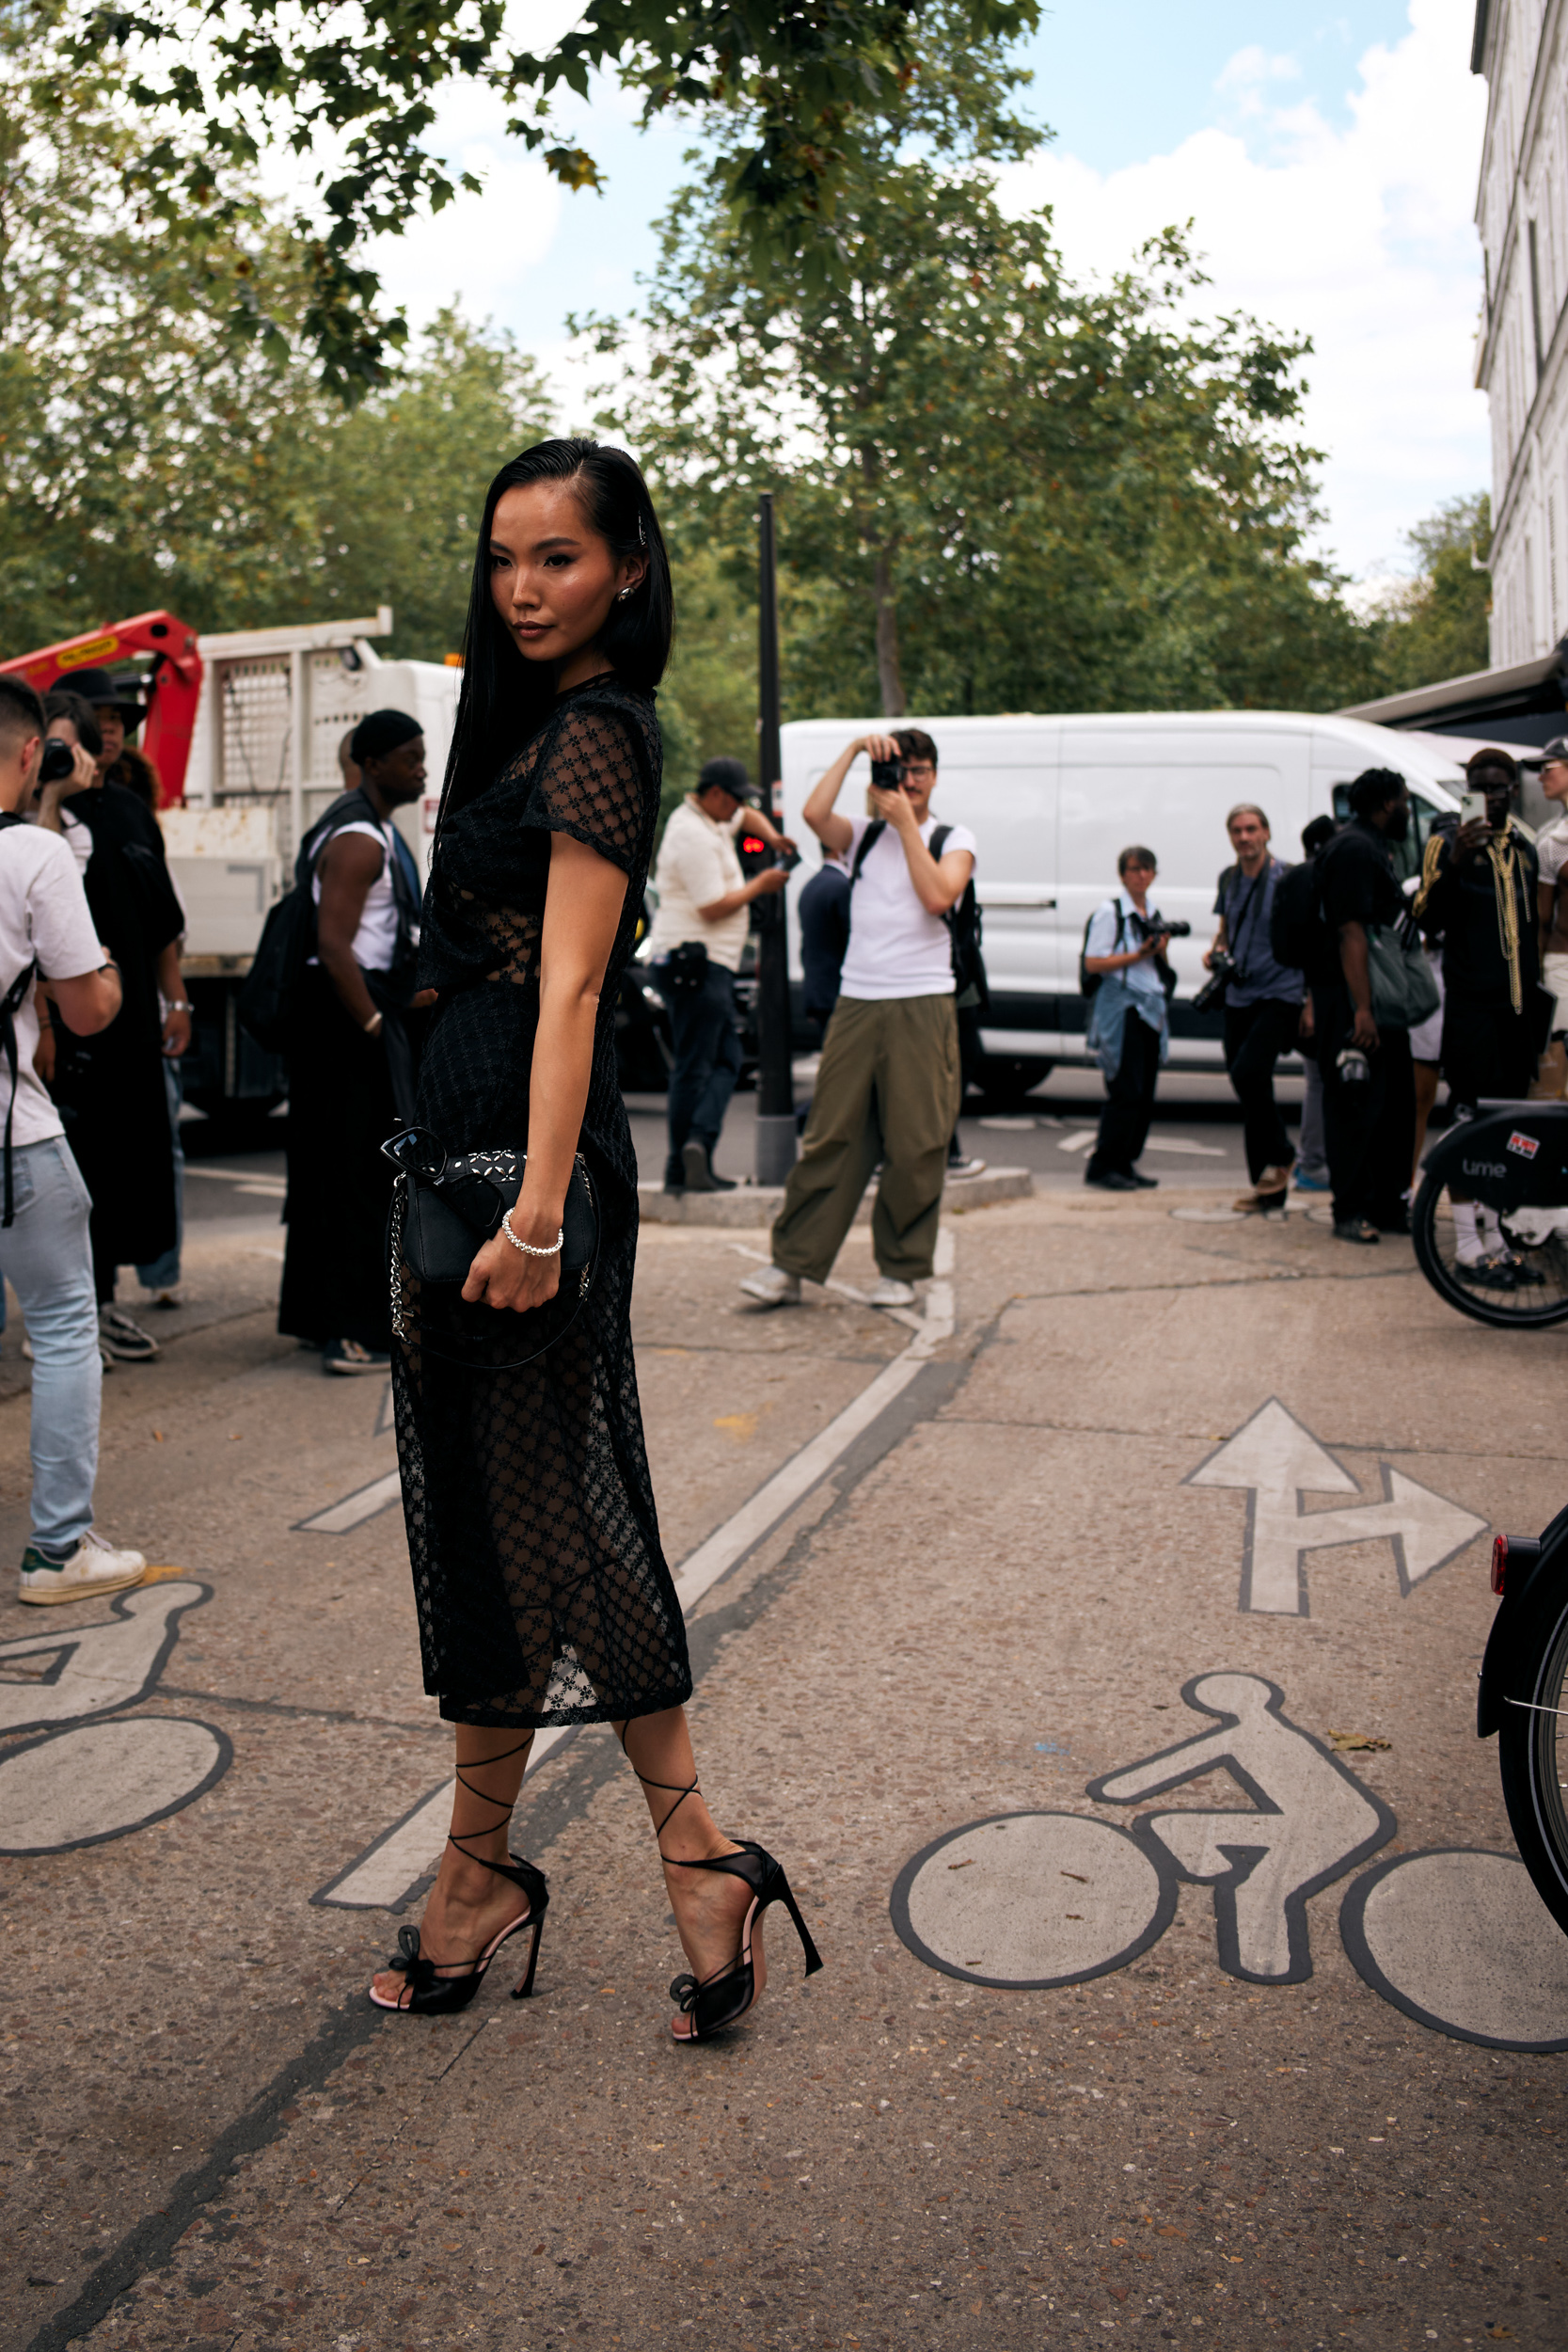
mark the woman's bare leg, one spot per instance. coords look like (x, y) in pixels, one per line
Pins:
(710, 1906)
(468, 1903)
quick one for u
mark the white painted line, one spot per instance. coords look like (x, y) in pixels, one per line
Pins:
(1080, 1142)
(354, 1509)
(1177, 1143)
(391, 1868)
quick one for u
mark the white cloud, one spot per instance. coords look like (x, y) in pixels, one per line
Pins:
(1360, 237)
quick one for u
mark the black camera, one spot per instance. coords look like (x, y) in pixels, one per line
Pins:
(1154, 926)
(58, 761)
(1222, 971)
(886, 774)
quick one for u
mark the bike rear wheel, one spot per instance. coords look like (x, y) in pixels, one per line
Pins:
(1536, 1297)
(1532, 1743)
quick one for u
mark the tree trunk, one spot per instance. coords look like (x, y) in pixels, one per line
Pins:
(889, 676)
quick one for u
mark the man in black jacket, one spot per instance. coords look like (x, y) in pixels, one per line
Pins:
(1369, 1091)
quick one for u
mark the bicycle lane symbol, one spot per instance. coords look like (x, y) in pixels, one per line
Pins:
(1311, 1822)
(91, 1772)
(1039, 1900)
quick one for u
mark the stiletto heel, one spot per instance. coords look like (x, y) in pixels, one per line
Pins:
(432, 1994)
(713, 2003)
(521, 1989)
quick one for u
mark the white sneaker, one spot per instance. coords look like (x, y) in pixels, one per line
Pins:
(125, 1341)
(94, 1566)
(887, 1293)
(773, 1286)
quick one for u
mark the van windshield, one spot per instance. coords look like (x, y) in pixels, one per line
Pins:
(1404, 856)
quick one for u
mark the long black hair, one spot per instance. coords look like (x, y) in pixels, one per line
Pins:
(503, 698)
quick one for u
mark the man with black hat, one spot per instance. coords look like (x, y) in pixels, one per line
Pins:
(352, 1054)
(698, 938)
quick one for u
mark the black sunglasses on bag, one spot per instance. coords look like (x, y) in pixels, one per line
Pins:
(422, 1157)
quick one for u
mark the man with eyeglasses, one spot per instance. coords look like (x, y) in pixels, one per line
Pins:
(888, 1083)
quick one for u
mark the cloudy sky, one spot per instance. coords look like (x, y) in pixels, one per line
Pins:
(1326, 157)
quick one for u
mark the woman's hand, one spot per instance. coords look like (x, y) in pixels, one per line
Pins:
(504, 1278)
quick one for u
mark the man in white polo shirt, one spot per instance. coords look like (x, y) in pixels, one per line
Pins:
(48, 941)
(698, 939)
(889, 1085)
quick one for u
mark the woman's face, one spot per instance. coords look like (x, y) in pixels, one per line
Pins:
(553, 578)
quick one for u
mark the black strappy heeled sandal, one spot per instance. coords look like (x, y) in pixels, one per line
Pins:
(712, 2003)
(431, 1995)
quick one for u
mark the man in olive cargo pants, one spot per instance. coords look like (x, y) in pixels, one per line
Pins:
(889, 1085)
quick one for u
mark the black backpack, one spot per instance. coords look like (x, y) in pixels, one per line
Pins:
(1298, 935)
(964, 927)
(266, 1002)
(1088, 982)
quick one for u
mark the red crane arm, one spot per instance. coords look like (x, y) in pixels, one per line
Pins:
(175, 682)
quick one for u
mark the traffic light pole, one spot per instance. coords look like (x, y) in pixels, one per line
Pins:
(775, 1086)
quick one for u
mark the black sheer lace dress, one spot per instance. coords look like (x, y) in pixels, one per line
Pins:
(542, 1593)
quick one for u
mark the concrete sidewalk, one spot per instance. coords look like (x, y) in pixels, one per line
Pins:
(1084, 2059)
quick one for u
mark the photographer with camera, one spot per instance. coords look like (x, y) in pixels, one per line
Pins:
(47, 933)
(1261, 998)
(698, 938)
(1129, 984)
(888, 1083)
(1368, 1085)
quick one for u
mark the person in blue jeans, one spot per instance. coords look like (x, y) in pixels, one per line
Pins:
(48, 947)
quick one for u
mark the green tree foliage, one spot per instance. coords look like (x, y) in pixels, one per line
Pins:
(998, 489)
(798, 74)
(1436, 624)
(145, 459)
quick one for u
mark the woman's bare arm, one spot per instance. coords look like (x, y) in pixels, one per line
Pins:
(582, 907)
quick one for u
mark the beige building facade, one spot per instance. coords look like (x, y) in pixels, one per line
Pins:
(1521, 46)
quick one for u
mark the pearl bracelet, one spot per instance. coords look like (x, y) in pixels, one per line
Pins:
(529, 1248)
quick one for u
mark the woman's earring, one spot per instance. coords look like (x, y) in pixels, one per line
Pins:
(623, 595)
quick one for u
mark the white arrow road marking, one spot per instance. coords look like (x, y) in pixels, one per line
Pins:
(389, 1871)
(1313, 1821)
(1278, 1461)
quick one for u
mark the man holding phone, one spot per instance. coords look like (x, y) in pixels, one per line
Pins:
(889, 1083)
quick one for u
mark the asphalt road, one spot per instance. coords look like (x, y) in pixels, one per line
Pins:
(1098, 1652)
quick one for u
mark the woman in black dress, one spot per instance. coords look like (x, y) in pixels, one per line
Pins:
(542, 1593)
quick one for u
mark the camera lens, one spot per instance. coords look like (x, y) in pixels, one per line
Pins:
(57, 761)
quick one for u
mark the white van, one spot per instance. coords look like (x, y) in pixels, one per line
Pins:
(1051, 800)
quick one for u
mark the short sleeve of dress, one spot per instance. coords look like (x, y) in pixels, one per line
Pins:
(590, 783)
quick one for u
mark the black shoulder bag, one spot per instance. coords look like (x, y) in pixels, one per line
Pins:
(445, 1208)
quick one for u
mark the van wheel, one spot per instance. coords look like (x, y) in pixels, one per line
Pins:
(1005, 1079)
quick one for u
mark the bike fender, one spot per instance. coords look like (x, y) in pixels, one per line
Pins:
(1508, 1159)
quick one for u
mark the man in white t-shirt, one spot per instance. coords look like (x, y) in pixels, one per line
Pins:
(697, 940)
(48, 937)
(889, 1085)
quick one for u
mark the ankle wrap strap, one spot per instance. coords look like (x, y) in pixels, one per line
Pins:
(503, 1806)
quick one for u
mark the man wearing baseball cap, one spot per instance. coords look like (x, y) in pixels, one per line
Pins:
(698, 939)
